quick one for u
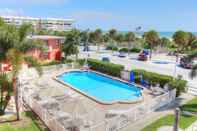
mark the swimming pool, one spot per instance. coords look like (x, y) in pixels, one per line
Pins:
(101, 88)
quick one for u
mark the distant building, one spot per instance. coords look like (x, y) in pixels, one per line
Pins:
(41, 23)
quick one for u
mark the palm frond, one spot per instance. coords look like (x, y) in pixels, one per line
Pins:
(33, 63)
(193, 72)
(24, 30)
(16, 59)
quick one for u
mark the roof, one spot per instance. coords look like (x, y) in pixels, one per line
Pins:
(46, 37)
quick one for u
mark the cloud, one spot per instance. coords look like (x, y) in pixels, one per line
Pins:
(10, 12)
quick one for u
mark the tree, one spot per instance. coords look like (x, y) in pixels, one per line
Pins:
(5, 91)
(130, 37)
(112, 34)
(13, 42)
(71, 43)
(119, 38)
(181, 39)
(98, 37)
(164, 42)
(85, 39)
(191, 38)
(152, 38)
(194, 45)
(191, 56)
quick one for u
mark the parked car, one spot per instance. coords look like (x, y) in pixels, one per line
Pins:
(143, 57)
(186, 63)
(106, 59)
(122, 54)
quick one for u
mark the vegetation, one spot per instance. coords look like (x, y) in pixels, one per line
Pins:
(13, 45)
(29, 123)
(71, 43)
(191, 106)
(155, 78)
(105, 67)
(185, 120)
(152, 38)
(5, 92)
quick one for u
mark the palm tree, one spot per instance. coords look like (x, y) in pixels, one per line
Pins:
(152, 38)
(5, 89)
(191, 56)
(112, 34)
(130, 37)
(15, 51)
(181, 39)
(71, 43)
(98, 37)
(85, 39)
(119, 38)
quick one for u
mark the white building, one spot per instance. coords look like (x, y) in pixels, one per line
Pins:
(41, 23)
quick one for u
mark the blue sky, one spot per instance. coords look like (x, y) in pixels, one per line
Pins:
(161, 15)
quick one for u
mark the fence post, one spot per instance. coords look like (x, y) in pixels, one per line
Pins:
(177, 117)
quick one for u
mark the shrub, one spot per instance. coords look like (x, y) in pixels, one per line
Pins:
(112, 47)
(50, 63)
(155, 78)
(106, 67)
(179, 85)
(135, 50)
(126, 50)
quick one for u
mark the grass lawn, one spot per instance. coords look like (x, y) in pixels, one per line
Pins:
(185, 121)
(28, 122)
(190, 106)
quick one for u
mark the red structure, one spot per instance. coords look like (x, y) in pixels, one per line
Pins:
(53, 45)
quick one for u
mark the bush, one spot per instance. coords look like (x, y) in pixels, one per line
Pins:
(112, 47)
(135, 50)
(179, 85)
(155, 78)
(106, 67)
(50, 63)
(126, 50)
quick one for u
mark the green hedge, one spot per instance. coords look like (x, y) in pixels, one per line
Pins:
(135, 50)
(155, 78)
(126, 50)
(106, 67)
(132, 50)
(112, 47)
(51, 63)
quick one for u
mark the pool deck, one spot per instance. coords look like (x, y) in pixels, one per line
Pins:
(71, 102)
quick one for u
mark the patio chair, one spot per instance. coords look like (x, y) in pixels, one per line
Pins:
(143, 82)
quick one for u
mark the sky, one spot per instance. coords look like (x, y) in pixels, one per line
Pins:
(124, 15)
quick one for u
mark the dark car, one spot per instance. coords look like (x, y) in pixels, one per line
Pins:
(186, 63)
(142, 57)
(106, 59)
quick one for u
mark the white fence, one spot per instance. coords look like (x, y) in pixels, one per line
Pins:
(113, 121)
(134, 114)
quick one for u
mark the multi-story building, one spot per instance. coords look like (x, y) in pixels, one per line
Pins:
(41, 23)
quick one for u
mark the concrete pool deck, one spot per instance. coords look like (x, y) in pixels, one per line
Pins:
(62, 102)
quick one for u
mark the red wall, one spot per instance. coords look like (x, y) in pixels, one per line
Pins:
(54, 51)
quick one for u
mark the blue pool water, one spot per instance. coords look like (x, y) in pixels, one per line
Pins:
(101, 88)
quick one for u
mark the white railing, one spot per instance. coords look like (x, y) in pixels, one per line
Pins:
(116, 123)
